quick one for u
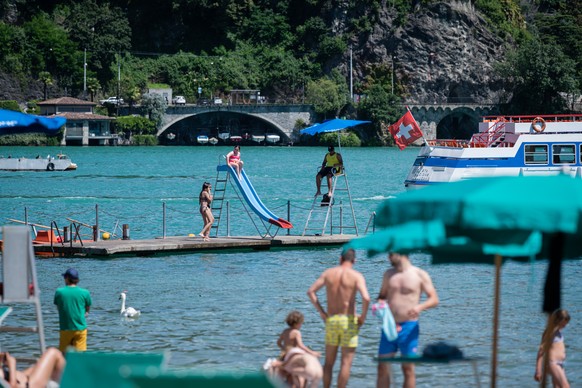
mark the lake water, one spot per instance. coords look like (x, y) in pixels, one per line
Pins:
(225, 310)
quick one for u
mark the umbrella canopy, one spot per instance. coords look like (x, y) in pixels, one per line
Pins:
(332, 126)
(17, 122)
(431, 237)
(548, 204)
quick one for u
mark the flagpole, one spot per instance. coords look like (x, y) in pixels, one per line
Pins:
(423, 139)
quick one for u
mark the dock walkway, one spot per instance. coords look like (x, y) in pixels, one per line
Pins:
(184, 244)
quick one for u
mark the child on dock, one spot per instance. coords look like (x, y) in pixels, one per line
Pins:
(552, 351)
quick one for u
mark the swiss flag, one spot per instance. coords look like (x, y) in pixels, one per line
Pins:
(405, 131)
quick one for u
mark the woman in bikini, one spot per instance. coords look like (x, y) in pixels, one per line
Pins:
(49, 367)
(205, 199)
(233, 160)
(552, 352)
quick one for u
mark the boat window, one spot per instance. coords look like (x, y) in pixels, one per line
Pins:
(536, 154)
(564, 154)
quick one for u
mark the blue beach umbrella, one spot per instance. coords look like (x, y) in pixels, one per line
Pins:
(332, 126)
(12, 122)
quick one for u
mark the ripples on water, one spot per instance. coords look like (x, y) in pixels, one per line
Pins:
(227, 310)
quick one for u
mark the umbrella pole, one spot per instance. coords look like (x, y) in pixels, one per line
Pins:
(495, 320)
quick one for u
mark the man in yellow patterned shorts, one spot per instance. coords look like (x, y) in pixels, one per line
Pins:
(342, 324)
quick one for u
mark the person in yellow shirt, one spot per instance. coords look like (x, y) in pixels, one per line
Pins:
(331, 161)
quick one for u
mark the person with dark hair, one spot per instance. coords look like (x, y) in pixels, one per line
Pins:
(552, 351)
(402, 288)
(332, 163)
(342, 324)
(234, 161)
(73, 304)
(291, 336)
(205, 199)
(49, 367)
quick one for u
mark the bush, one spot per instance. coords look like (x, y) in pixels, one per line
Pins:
(30, 139)
(349, 139)
(10, 105)
(144, 140)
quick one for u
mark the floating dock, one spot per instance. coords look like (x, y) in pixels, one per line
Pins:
(184, 244)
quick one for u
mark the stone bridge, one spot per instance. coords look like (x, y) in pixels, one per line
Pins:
(442, 120)
(280, 119)
(450, 121)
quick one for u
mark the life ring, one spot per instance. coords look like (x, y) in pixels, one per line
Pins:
(538, 124)
(50, 167)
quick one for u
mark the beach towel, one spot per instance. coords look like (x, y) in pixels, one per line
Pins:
(382, 311)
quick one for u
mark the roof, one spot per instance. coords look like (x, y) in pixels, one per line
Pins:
(66, 101)
(83, 116)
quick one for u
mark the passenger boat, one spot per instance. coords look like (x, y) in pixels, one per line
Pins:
(272, 138)
(57, 163)
(504, 146)
(202, 139)
(213, 140)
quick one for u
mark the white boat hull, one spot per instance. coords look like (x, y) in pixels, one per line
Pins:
(44, 164)
(519, 150)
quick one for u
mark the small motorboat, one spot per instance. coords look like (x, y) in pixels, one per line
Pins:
(213, 140)
(171, 136)
(202, 139)
(258, 138)
(272, 138)
(224, 135)
(60, 162)
(236, 139)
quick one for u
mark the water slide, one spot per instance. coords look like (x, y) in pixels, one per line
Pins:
(248, 191)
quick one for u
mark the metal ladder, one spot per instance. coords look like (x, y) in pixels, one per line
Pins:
(218, 199)
(327, 212)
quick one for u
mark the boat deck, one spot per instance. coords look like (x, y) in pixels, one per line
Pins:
(184, 244)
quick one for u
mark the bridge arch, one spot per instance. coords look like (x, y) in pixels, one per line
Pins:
(450, 121)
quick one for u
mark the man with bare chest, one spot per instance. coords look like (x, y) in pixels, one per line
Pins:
(402, 287)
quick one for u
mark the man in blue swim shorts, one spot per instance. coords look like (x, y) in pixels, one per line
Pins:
(402, 288)
(342, 324)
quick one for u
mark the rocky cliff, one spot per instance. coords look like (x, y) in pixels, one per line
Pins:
(445, 52)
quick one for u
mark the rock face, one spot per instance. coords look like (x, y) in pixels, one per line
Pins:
(443, 54)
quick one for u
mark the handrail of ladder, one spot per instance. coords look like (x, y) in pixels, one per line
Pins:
(371, 221)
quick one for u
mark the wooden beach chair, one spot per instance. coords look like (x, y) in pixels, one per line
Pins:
(102, 369)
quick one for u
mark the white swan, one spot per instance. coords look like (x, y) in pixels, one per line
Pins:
(129, 312)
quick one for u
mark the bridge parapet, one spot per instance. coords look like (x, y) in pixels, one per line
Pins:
(282, 117)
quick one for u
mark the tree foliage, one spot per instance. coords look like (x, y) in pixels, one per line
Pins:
(539, 74)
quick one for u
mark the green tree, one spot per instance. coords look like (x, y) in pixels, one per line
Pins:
(47, 80)
(155, 106)
(379, 106)
(538, 75)
(103, 30)
(326, 97)
(93, 86)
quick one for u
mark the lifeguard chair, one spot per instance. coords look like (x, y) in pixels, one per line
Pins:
(19, 281)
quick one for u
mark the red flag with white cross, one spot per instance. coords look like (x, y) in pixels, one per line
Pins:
(405, 131)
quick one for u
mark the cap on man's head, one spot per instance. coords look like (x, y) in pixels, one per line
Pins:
(71, 274)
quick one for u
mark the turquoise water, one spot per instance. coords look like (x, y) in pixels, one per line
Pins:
(226, 310)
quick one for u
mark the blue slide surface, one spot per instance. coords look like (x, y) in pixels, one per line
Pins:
(248, 191)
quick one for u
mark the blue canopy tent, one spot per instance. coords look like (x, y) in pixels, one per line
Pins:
(16, 122)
